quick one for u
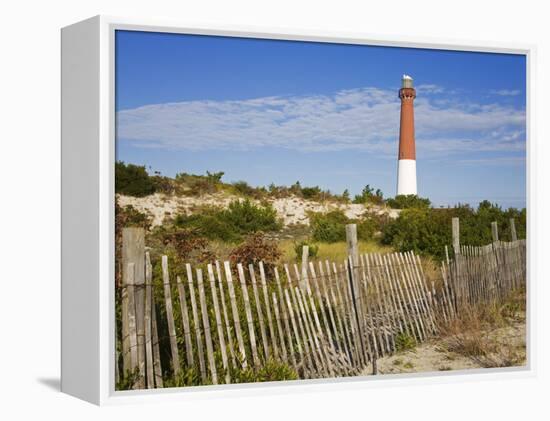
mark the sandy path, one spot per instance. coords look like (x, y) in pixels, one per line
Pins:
(434, 356)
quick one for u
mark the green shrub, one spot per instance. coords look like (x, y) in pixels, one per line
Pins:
(311, 193)
(408, 201)
(163, 184)
(368, 227)
(246, 217)
(128, 216)
(128, 380)
(328, 227)
(428, 231)
(231, 224)
(132, 180)
(368, 195)
(313, 249)
(269, 372)
(404, 342)
(245, 189)
(209, 223)
(345, 198)
(197, 185)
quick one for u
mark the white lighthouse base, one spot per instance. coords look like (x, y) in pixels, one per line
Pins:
(406, 177)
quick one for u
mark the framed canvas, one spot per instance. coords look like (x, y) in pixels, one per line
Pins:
(235, 220)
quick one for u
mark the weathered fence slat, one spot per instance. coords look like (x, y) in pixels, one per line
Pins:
(269, 318)
(219, 323)
(156, 347)
(259, 311)
(150, 380)
(170, 316)
(185, 320)
(248, 312)
(225, 315)
(235, 311)
(207, 331)
(285, 314)
(196, 321)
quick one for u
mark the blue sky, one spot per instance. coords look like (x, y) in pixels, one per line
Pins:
(326, 114)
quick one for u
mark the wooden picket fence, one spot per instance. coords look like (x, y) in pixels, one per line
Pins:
(481, 275)
(323, 319)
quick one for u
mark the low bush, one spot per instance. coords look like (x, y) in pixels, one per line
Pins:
(197, 185)
(328, 227)
(188, 246)
(245, 189)
(246, 217)
(254, 249)
(369, 227)
(209, 223)
(369, 195)
(428, 230)
(311, 193)
(231, 224)
(404, 342)
(269, 372)
(133, 180)
(163, 184)
(408, 201)
(313, 249)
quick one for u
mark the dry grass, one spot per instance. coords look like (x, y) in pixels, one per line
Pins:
(335, 252)
(484, 333)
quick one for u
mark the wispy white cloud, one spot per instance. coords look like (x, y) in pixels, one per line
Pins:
(358, 119)
(499, 161)
(506, 92)
(430, 88)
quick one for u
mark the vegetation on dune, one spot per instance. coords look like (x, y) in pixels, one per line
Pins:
(133, 180)
(408, 201)
(427, 230)
(254, 249)
(419, 227)
(368, 195)
(330, 227)
(231, 224)
(312, 248)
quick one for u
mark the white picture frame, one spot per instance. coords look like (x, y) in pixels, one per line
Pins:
(88, 156)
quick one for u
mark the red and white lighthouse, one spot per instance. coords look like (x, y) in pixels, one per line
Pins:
(406, 171)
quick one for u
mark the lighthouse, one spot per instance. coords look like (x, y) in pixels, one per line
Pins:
(406, 169)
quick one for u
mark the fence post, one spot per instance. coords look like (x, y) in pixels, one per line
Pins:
(494, 231)
(513, 230)
(133, 251)
(456, 235)
(457, 285)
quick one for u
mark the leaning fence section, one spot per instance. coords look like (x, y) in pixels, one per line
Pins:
(323, 319)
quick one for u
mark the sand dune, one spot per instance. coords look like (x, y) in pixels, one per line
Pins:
(292, 210)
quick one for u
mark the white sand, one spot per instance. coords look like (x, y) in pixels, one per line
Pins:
(292, 210)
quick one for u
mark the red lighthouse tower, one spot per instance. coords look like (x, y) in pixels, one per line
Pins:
(406, 172)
